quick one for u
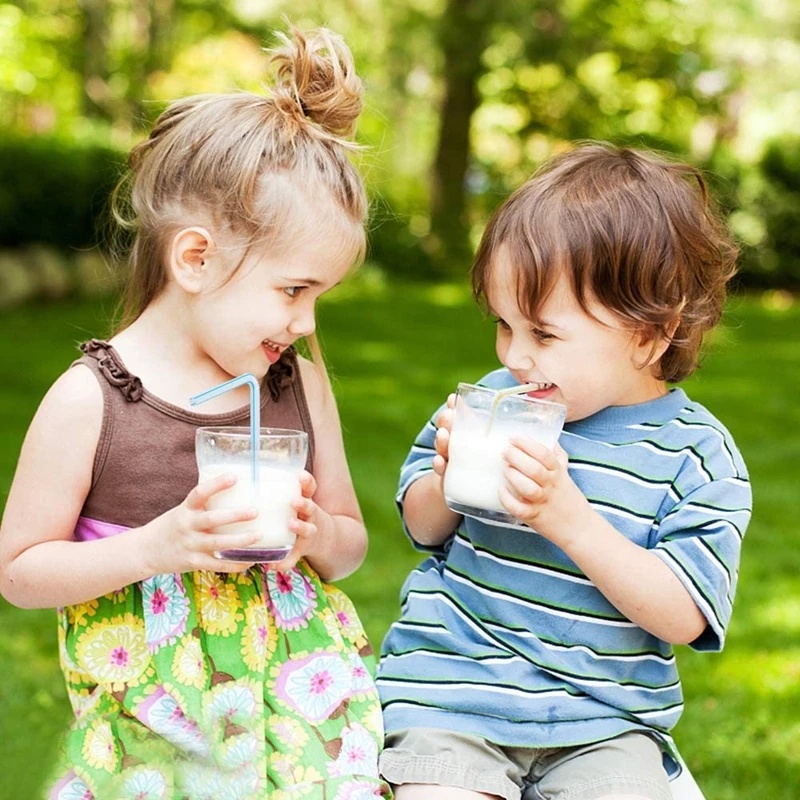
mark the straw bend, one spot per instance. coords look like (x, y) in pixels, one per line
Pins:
(255, 412)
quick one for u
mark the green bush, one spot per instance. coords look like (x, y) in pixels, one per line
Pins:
(54, 191)
(779, 205)
(394, 246)
(762, 201)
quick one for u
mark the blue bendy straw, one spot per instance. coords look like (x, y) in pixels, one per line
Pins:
(255, 413)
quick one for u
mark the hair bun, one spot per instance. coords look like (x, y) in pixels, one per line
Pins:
(316, 80)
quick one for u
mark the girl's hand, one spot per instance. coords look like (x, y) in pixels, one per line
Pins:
(539, 489)
(308, 527)
(183, 539)
(442, 441)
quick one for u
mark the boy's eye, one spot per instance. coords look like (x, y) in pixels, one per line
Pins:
(542, 336)
(501, 323)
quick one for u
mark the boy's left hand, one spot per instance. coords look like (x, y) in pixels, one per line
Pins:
(539, 490)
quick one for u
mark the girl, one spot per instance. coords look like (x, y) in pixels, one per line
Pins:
(190, 676)
(538, 661)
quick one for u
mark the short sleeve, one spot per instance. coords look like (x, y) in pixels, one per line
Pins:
(700, 540)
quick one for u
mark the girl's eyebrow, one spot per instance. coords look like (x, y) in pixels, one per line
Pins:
(306, 281)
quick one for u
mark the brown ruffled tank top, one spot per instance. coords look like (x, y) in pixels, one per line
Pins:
(145, 463)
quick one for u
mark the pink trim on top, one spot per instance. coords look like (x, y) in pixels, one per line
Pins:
(89, 529)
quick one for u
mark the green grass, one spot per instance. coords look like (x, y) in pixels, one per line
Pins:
(395, 351)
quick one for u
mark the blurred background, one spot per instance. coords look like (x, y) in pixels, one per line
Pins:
(464, 98)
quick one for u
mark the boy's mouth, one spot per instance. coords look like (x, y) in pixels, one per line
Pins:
(540, 389)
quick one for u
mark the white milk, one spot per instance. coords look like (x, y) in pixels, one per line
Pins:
(276, 490)
(475, 469)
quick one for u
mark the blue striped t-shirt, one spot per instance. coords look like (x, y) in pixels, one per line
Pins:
(503, 637)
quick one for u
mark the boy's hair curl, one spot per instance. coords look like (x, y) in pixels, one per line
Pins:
(631, 229)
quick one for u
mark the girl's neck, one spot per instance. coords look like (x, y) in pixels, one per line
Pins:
(158, 348)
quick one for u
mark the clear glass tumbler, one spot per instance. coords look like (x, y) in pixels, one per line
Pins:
(483, 422)
(281, 458)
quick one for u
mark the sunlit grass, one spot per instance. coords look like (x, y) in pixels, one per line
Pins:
(395, 351)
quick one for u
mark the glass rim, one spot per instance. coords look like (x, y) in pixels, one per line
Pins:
(524, 397)
(243, 431)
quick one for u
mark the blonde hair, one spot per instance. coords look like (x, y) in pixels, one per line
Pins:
(247, 164)
(631, 229)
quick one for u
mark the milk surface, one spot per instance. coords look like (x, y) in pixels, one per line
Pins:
(276, 490)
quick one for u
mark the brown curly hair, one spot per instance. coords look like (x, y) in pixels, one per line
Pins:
(632, 230)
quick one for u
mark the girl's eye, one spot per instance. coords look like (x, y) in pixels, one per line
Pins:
(293, 291)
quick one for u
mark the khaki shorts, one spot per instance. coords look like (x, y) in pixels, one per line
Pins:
(628, 764)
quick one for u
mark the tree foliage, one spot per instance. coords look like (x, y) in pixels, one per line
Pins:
(464, 97)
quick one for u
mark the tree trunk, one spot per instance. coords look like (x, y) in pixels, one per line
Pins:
(94, 59)
(463, 35)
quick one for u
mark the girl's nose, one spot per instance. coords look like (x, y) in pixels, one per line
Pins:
(304, 323)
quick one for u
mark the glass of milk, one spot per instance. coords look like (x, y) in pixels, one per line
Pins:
(281, 459)
(483, 422)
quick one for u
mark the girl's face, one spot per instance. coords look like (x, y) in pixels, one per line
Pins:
(588, 363)
(270, 302)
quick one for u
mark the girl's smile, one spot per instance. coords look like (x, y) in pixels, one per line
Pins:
(273, 350)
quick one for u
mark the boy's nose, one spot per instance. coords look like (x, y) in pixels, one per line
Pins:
(518, 357)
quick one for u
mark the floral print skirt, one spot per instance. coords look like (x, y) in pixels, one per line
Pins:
(213, 686)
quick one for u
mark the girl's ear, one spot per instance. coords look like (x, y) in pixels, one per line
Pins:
(188, 258)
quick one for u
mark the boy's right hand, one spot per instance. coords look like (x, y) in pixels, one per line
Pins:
(442, 441)
(183, 539)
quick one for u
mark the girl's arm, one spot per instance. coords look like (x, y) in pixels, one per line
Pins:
(41, 566)
(339, 545)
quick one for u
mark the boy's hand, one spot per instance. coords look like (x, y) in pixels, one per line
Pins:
(442, 441)
(539, 489)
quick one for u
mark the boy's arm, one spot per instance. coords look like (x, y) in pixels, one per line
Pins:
(420, 498)
(681, 590)
(427, 518)
(634, 580)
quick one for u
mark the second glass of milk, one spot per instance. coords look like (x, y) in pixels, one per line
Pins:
(281, 458)
(483, 423)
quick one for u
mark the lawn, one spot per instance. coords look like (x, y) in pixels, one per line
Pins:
(395, 351)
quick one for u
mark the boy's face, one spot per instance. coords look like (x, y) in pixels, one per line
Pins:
(586, 362)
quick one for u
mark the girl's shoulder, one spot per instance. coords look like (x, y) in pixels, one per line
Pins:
(315, 383)
(71, 411)
(76, 394)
